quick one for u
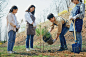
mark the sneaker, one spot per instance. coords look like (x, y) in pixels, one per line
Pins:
(32, 49)
(65, 47)
(61, 49)
(10, 52)
(27, 49)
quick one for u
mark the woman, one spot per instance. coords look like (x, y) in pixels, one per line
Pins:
(12, 25)
(30, 19)
(77, 15)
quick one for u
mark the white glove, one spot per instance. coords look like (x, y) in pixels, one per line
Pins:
(70, 18)
(74, 18)
(54, 40)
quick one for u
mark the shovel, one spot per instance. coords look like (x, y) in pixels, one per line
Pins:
(76, 47)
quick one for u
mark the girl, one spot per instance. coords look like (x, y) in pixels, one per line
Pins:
(30, 19)
(77, 15)
(12, 25)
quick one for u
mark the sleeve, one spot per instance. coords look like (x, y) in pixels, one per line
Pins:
(28, 18)
(82, 10)
(34, 24)
(70, 16)
(59, 27)
(18, 26)
(52, 26)
(9, 18)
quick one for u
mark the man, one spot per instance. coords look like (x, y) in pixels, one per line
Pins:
(63, 27)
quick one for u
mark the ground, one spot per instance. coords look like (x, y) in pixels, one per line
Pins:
(45, 50)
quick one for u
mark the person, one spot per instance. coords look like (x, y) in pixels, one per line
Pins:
(77, 15)
(31, 25)
(12, 25)
(63, 27)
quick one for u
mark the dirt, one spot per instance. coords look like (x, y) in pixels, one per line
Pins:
(21, 37)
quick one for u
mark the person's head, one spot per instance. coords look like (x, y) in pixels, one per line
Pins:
(31, 9)
(76, 1)
(14, 9)
(51, 17)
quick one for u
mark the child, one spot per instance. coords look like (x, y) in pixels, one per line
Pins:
(63, 27)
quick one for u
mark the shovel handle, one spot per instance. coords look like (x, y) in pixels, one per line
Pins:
(74, 30)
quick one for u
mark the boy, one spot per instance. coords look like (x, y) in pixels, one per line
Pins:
(63, 27)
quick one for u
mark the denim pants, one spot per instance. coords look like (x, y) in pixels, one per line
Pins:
(31, 41)
(11, 40)
(78, 38)
(61, 36)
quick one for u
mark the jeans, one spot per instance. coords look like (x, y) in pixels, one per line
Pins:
(62, 38)
(78, 38)
(11, 40)
(31, 41)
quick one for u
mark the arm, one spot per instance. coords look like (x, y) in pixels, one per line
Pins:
(28, 18)
(52, 27)
(70, 17)
(59, 28)
(82, 10)
(9, 18)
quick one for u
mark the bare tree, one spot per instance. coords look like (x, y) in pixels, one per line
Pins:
(68, 4)
(3, 4)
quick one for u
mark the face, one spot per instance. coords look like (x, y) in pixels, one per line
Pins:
(15, 11)
(52, 19)
(32, 9)
(75, 1)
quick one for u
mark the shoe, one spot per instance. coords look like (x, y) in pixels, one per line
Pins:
(61, 49)
(32, 49)
(10, 52)
(27, 49)
(14, 51)
(65, 47)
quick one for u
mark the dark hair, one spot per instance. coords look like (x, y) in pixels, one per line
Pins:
(78, 0)
(28, 10)
(50, 16)
(13, 7)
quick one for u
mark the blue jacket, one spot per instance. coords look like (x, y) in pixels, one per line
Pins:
(78, 22)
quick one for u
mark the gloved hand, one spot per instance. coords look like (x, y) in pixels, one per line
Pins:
(74, 18)
(54, 40)
(70, 18)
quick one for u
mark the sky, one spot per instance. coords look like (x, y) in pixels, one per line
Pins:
(24, 4)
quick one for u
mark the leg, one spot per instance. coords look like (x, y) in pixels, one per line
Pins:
(31, 41)
(62, 38)
(27, 41)
(79, 38)
(14, 37)
(10, 40)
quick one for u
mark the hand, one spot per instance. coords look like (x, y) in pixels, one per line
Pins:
(32, 23)
(18, 26)
(15, 26)
(74, 18)
(70, 18)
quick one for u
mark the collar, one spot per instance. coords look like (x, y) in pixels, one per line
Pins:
(78, 4)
